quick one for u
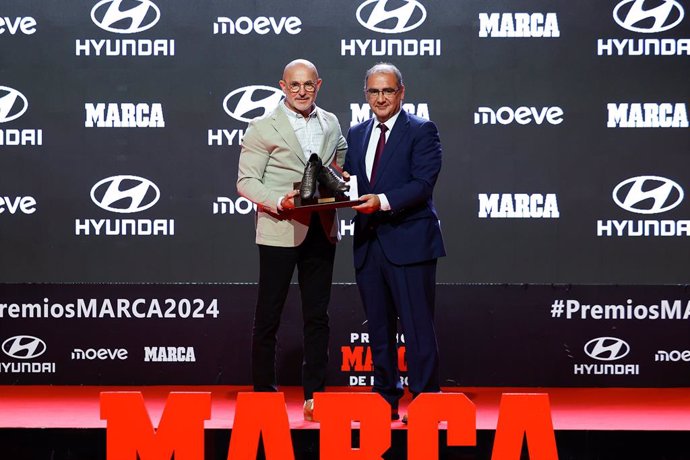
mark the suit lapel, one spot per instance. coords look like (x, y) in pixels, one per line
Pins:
(284, 128)
(325, 150)
(399, 129)
(363, 148)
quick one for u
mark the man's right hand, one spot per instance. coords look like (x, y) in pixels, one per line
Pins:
(288, 201)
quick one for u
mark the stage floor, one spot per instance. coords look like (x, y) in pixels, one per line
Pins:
(614, 409)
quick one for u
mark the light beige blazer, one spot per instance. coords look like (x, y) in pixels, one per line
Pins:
(271, 161)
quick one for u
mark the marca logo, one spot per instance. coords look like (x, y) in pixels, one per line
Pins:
(24, 347)
(245, 104)
(506, 25)
(13, 104)
(25, 25)
(362, 112)
(521, 115)
(169, 354)
(648, 194)
(124, 115)
(109, 15)
(607, 348)
(632, 15)
(518, 206)
(647, 115)
(374, 15)
(125, 194)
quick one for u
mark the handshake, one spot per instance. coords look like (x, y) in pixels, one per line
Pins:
(316, 173)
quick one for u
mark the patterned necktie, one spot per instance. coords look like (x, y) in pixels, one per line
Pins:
(379, 151)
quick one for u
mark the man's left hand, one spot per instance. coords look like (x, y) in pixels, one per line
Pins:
(371, 204)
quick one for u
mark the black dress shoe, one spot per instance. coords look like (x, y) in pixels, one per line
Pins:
(332, 181)
(311, 173)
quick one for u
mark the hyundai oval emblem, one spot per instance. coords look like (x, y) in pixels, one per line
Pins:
(125, 194)
(245, 104)
(648, 194)
(659, 16)
(13, 104)
(24, 347)
(402, 19)
(108, 15)
(607, 348)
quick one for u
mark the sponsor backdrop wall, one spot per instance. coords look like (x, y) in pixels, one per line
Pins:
(128, 256)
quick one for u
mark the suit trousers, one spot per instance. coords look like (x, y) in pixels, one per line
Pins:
(314, 261)
(407, 292)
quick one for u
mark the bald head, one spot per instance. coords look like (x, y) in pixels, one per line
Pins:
(300, 84)
(300, 64)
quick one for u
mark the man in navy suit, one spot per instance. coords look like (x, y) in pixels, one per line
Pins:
(396, 158)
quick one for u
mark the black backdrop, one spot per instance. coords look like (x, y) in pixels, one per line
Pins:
(565, 135)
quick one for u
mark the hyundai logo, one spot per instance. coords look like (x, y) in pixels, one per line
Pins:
(24, 347)
(607, 348)
(652, 20)
(108, 15)
(125, 194)
(373, 15)
(13, 104)
(648, 194)
(245, 104)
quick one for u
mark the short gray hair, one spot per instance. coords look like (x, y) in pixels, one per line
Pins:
(384, 67)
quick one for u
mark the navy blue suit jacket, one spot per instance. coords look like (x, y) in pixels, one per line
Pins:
(407, 171)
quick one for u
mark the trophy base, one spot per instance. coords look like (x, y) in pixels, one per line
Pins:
(326, 199)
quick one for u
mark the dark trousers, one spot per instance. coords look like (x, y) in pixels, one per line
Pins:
(407, 292)
(314, 261)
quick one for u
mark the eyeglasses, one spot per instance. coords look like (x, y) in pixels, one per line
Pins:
(387, 92)
(309, 87)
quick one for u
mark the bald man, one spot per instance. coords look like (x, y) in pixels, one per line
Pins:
(275, 150)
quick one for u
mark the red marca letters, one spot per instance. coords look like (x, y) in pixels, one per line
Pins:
(264, 416)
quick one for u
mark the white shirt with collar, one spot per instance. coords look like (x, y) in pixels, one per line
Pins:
(308, 131)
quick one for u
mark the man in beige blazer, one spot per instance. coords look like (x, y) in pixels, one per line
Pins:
(275, 150)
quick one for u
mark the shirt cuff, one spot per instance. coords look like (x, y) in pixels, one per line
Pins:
(280, 200)
(385, 205)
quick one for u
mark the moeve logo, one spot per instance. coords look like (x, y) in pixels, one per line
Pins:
(373, 15)
(13, 104)
(108, 15)
(245, 104)
(607, 348)
(24, 347)
(648, 194)
(125, 194)
(631, 15)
